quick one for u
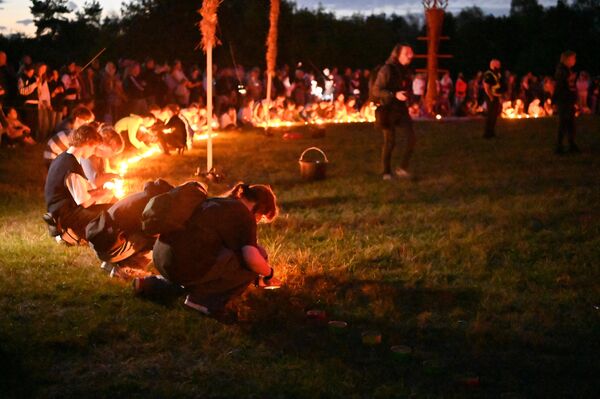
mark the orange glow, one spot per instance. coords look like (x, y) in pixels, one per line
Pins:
(117, 186)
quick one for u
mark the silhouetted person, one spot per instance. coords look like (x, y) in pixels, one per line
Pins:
(494, 87)
(565, 97)
(392, 89)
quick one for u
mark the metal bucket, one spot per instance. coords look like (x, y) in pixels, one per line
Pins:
(313, 170)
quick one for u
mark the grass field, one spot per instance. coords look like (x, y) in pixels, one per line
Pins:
(487, 264)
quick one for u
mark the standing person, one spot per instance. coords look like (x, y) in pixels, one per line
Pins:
(7, 80)
(446, 86)
(493, 85)
(135, 88)
(28, 95)
(460, 93)
(72, 87)
(392, 88)
(583, 88)
(418, 88)
(112, 91)
(565, 97)
(57, 95)
(45, 112)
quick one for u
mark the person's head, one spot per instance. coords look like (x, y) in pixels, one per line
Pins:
(85, 139)
(81, 115)
(568, 58)
(495, 64)
(112, 142)
(148, 120)
(402, 53)
(171, 110)
(72, 68)
(110, 68)
(41, 70)
(155, 110)
(29, 70)
(150, 64)
(134, 69)
(258, 198)
(12, 113)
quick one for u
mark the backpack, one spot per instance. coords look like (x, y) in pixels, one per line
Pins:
(372, 78)
(170, 211)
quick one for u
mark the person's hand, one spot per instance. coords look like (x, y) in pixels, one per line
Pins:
(401, 96)
(263, 252)
(270, 284)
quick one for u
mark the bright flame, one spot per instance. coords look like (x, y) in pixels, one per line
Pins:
(535, 109)
(117, 186)
(124, 165)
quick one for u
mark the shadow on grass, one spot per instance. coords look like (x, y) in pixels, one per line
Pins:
(278, 320)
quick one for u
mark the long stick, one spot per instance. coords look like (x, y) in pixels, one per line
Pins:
(93, 59)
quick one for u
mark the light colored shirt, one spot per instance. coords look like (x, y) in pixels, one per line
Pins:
(79, 188)
(131, 124)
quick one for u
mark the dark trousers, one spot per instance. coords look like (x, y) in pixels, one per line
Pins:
(225, 280)
(566, 126)
(30, 118)
(491, 118)
(78, 218)
(389, 142)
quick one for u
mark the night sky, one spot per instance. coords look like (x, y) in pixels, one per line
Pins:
(15, 16)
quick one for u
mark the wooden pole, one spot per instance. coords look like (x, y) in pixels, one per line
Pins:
(271, 52)
(208, 26)
(209, 107)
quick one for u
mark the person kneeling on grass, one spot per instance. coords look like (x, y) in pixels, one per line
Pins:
(71, 199)
(216, 255)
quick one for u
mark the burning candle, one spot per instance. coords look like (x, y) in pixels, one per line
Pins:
(371, 338)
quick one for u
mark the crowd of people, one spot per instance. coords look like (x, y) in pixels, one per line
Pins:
(39, 97)
(207, 247)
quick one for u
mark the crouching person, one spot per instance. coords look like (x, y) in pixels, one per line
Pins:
(116, 234)
(215, 256)
(71, 200)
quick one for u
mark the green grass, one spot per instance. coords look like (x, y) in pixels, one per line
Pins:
(488, 261)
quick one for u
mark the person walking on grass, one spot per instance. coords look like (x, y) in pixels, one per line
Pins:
(494, 87)
(565, 97)
(392, 90)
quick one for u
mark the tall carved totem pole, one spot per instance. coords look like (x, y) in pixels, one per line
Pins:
(434, 18)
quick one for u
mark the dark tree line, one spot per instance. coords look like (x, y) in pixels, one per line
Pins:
(530, 38)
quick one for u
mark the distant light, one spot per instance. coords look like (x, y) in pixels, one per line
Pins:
(438, 117)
